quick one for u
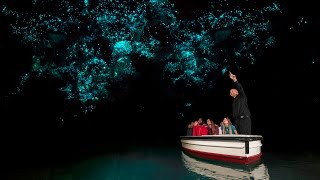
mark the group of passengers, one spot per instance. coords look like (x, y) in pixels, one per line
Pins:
(199, 128)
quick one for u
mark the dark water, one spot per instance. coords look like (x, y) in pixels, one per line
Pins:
(172, 163)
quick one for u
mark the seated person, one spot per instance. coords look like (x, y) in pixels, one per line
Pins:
(199, 128)
(213, 129)
(190, 128)
(227, 127)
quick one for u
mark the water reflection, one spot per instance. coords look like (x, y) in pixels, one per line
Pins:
(220, 170)
(144, 164)
(170, 164)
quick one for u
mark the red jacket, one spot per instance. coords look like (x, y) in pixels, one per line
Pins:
(199, 130)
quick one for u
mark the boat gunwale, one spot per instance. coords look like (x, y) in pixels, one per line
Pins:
(224, 137)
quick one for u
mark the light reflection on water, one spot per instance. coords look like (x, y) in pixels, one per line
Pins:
(172, 163)
(221, 170)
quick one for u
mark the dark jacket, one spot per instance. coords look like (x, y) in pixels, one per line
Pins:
(240, 105)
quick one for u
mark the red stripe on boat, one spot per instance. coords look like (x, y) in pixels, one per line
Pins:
(222, 157)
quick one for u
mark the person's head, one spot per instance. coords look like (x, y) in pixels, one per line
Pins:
(209, 121)
(195, 123)
(200, 121)
(226, 121)
(234, 92)
(212, 126)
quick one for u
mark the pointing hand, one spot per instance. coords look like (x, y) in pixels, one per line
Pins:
(232, 76)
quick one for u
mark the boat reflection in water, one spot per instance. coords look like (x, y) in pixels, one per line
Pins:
(222, 170)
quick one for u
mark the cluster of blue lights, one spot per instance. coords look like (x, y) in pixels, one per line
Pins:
(91, 43)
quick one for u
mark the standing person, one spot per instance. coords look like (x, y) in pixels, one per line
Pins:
(240, 110)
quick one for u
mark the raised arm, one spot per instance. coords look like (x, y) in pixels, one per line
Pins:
(239, 86)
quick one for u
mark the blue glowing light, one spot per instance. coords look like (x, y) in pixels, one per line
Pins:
(93, 43)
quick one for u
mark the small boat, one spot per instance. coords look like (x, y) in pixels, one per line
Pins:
(222, 170)
(243, 149)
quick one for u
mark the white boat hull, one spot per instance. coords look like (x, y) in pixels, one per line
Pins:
(235, 148)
